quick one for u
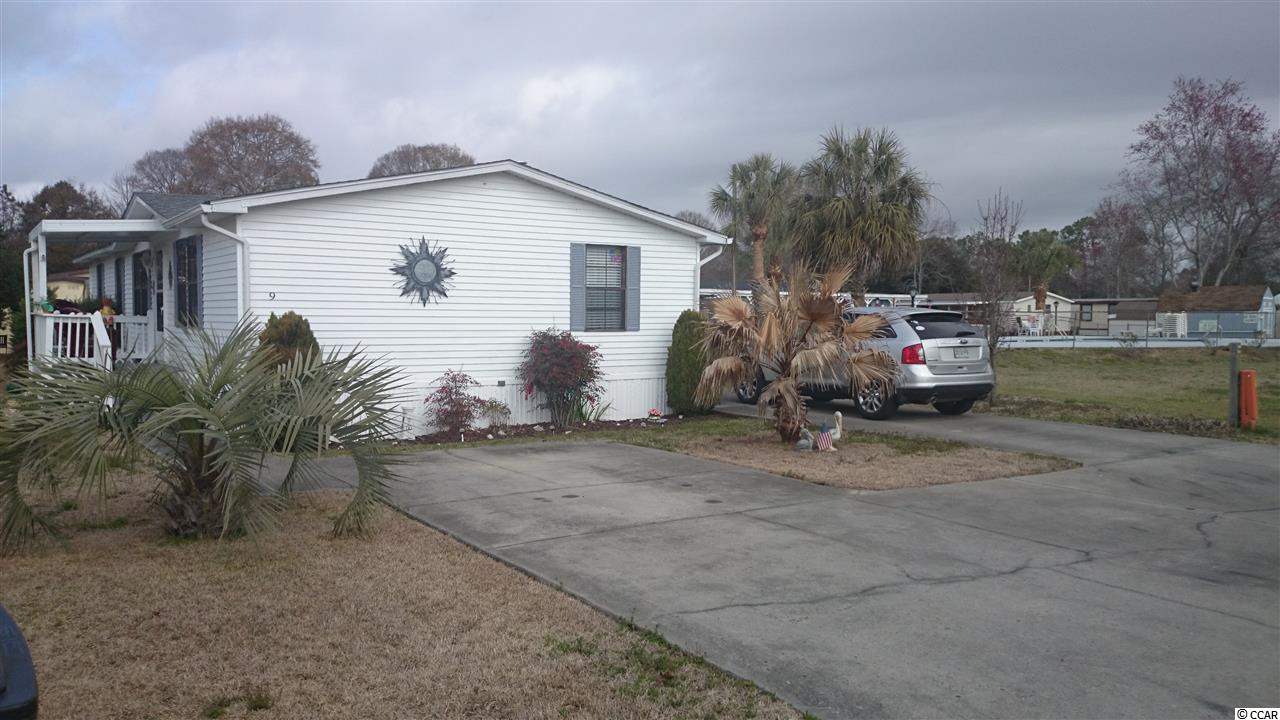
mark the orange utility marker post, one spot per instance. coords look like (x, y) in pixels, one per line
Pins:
(1249, 399)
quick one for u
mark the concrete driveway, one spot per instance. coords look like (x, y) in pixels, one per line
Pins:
(1143, 584)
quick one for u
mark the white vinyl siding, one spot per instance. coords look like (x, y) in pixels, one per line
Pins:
(508, 240)
(218, 283)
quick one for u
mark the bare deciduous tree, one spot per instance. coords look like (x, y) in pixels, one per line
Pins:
(693, 217)
(167, 171)
(410, 158)
(245, 155)
(1209, 165)
(993, 255)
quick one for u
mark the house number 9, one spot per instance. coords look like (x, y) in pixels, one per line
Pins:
(271, 295)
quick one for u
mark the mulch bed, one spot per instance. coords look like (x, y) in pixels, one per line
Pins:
(541, 430)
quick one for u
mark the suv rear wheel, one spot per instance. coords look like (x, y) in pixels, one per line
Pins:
(749, 392)
(954, 407)
(873, 402)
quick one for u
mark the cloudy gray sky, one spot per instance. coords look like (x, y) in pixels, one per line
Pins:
(649, 102)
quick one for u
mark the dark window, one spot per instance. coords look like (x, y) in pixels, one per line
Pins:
(186, 259)
(930, 326)
(141, 285)
(606, 283)
(100, 279)
(1086, 312)
(158, 268)
(118, 291)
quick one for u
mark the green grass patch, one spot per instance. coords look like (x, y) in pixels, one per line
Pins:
(115, 523)
(1169, 390)
(577, 645)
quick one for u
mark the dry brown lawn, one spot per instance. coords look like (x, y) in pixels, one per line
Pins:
(867, 461)
(124, 623)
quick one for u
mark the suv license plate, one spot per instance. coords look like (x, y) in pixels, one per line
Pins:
(964, 353)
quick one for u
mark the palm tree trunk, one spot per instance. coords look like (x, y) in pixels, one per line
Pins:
(759, 234)
(733, 267)
(789, 421)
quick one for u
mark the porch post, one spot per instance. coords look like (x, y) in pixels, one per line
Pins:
(42, 267)
(26, 297)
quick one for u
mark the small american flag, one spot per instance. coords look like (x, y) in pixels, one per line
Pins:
(824, 439)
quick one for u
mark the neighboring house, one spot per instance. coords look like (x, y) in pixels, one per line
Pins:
(1115, 316)
(1243, 311)
(1057, 317)
(527, 250)
(71, 285)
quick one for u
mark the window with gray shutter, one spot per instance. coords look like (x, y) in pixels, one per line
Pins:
(606, 286)
(187, 282)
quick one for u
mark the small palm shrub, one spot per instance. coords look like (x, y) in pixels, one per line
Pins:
(564, 370)
(206, 421)
(795, 336)
(686, 359)
(288, 336)
(450, 406)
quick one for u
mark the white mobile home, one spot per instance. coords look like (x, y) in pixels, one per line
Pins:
(514, 249)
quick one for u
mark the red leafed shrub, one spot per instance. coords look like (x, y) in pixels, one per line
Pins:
(451, 407)
(565, 370)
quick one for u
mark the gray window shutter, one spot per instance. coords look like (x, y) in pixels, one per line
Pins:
(577, 287)
(633, 288)
(199, 242)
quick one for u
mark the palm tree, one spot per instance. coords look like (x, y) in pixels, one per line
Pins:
(758, 193)
(861, 205)
(206, 422)
(1040, 257)
(798, 336)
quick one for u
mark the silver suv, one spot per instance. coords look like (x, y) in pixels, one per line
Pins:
(942, 361)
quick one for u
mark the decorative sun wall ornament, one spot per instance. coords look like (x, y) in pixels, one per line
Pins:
(425, 271)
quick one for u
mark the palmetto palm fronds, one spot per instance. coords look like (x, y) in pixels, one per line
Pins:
(207, 420)
(860, 204)
(794, 337)
(756, 197)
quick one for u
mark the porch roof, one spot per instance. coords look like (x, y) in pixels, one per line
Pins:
(96, 230)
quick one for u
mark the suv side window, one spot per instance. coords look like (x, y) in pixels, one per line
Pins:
(885, 332)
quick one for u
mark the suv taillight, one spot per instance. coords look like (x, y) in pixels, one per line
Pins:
(913, 354)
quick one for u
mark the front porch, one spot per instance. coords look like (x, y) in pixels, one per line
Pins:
(63, 330)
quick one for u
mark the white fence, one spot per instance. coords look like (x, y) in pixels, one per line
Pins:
(1148, 341)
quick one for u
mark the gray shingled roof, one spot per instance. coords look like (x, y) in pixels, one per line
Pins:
(170, 204)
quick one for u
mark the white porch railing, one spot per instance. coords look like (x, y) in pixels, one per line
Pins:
(82, 336)
(135, 340)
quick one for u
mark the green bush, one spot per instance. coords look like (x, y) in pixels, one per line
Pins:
(685, 362)
(287, 336)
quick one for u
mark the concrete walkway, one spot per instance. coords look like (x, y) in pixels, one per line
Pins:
(1143, 584)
